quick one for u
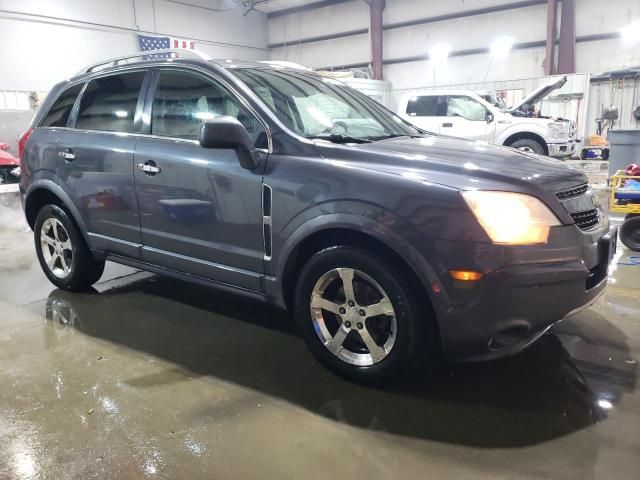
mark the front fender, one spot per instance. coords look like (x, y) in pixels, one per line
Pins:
(394, 238)
(524, 127)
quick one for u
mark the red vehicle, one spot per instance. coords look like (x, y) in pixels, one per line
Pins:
(9, 166)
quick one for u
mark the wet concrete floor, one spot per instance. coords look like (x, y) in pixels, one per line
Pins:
(148, 377)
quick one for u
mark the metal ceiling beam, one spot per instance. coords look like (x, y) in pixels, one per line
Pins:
(552, 20)
(595, 37)
(410, 23)
(375, 34)
(304, 8)
(567, 43)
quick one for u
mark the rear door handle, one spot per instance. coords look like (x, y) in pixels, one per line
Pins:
(67, 154)
(149, 167)
(447, 125)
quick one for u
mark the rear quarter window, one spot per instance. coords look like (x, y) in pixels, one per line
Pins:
(58, 114)
(109, 103)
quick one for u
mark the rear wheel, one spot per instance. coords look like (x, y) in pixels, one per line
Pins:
(357, 316)
(630, 233)
(62, 252)
(528, 145)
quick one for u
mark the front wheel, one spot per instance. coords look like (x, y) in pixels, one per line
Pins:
(528, 145)
(630, 233)
(62, 252)
(357, 315)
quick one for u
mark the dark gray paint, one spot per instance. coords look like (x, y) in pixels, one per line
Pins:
(201, 217)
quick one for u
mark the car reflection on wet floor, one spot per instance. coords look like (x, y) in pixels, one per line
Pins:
(567, 381)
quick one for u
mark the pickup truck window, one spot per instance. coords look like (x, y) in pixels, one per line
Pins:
(466, 107)
(316, 107)
(424, 106)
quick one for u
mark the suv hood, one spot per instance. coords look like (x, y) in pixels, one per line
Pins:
(457, 163)
(538, 94)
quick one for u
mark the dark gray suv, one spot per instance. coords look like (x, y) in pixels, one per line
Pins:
(385, 242)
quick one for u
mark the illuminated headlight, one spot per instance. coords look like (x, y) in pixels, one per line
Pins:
(511, 218)
(15, 172)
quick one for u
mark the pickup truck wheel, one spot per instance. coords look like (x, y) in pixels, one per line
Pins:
(630, 233)
(528, 145)
(62, 252)
(357, 316)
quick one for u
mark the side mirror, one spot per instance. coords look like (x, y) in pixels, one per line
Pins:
(490, 117)
(228, 133)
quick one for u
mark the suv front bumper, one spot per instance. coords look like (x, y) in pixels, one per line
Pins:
(513, 305)
(560, 150)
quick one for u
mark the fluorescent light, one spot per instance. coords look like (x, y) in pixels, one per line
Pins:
(121, 113)
(439, 53)
(501, 47)
(631, 33)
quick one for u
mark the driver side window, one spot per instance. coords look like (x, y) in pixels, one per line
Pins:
(183, 101)
(466, 107)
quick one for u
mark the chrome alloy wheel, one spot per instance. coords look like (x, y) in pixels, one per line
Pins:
(57, 249)
(353, 316)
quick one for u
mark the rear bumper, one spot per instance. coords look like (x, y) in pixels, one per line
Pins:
(513, 305)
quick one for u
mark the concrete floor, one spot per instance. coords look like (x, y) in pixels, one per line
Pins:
(148, 377)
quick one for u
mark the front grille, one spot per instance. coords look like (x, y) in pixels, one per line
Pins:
(586, 220)
(573, 192)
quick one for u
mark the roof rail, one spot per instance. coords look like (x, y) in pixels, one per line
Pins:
(175, 53)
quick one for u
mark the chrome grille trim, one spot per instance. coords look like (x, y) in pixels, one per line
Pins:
(587, 219)
(573, 192)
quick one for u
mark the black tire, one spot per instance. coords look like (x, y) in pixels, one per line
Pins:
(630, 233)
(528, 145)
(411, 343)
(605, 154)
(83, 270)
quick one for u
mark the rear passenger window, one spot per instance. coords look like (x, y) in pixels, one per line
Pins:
(183, 101)
(59, 113)
(423, 106)
(109, 103)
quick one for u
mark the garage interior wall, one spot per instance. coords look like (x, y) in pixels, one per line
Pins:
(46, 40)
(289, 35)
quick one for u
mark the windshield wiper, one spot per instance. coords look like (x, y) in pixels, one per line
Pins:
(394, 135)
(340, 138)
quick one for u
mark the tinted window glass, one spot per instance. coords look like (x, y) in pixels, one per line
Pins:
(424, 106)
(59, 112)
(467, 108)
(183, 101)
(109, 103)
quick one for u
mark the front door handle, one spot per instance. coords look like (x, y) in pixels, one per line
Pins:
(67, 154)
(149, 167)
(447, 125)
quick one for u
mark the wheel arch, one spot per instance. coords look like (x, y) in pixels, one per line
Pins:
(415, 270)
(527, 136)
(44, 192)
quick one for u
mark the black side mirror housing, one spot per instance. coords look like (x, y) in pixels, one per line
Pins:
(228, 133)
(490, 117)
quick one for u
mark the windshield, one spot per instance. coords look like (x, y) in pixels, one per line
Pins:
(317, 107)
(495, 101)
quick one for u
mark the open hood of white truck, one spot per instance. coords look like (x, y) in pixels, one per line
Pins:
(537, 95)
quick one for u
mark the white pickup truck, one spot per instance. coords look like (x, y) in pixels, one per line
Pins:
(467, 114)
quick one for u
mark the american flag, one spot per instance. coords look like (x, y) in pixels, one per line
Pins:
(154, 42)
